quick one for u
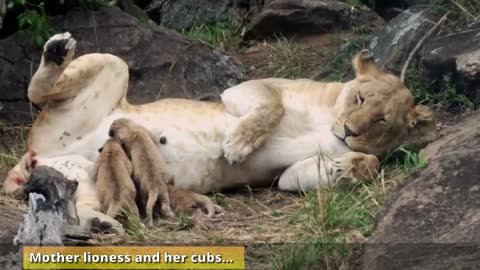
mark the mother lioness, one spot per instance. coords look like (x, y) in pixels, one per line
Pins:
(308, 133)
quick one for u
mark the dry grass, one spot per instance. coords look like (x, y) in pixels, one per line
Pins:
(280, 230)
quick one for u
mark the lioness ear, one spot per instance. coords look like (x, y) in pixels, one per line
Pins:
(422, 119)
(364, 64)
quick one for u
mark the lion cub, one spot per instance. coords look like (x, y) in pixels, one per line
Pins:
(115, 188)
(149, 167)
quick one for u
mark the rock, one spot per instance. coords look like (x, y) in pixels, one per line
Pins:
(390, 9)
(52, 215)
(432, 222)
(306, 16)
(393, 44)
(3, 10)
(181, 14)
(458, 54)
(162, 62)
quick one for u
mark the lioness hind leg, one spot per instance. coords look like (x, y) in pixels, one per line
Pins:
(320, 171)
(260, 109)
(58, 52)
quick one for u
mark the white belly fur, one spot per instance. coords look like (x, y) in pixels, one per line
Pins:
(196, 161)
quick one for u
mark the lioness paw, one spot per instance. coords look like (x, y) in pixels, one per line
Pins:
(354, 167)
(104, 227)
(235, 150)
(59, 49)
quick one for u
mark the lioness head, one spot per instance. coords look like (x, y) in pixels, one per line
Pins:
(376, 111)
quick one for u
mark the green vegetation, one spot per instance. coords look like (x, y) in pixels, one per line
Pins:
(331, 220)
(460, 11)
(406, 158)
(33, 19)
(221, 35)
(134, 226)
(442, 94)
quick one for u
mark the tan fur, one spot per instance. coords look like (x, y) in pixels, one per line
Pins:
(115, 188)
(188, 202)
(149, 168)
(377, 110)
(269, 127)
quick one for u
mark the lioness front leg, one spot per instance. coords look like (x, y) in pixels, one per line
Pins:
(58, 52)
(259, 108)
(322, 171)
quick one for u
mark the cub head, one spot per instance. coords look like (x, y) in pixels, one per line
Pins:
(122, 129)
(375, 112)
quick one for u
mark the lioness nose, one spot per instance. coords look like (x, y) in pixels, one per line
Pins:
(349, 132)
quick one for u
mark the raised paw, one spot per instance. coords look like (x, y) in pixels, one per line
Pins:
(59, 49)
(354, 167)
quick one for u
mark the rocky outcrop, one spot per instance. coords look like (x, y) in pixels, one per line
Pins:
(393, 44)
(391, 8)
(432, 222)
(180, 14)
(306, 16)
(3, 10)
(457, 54)
(162, 62)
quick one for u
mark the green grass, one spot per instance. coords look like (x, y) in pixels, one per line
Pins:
(460, 11)
(442, 94)
(406, 158)
(134, 226)
(222, 35)
(328, 219)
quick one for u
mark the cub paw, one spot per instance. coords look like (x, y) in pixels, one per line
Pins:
(59, 49)
(190, 203)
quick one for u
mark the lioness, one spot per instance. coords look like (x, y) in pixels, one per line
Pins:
(308, 133)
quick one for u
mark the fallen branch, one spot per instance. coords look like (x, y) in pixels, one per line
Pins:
(419, 45)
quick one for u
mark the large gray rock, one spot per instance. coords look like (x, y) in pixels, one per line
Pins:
(458, 54)
(391, 8)
(393, 44)
(162, 62)
(3, 10)
(306, 16)
(433, 221)
(180, 14)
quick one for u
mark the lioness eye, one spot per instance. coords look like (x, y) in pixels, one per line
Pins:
(360, 99)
